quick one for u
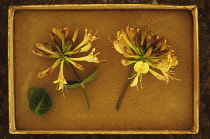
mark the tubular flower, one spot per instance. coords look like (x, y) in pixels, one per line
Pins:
(61, 80)
(147, 52)
(64, 51)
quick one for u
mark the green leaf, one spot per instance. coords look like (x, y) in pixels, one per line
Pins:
(39, 101)
(73, 84)
(91, 77)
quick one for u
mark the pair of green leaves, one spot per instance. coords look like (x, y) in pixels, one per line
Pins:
(40, 101)
(75, 84)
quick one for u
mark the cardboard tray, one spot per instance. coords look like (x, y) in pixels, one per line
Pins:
(155, 109)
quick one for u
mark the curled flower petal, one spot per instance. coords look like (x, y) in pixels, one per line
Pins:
(49, 70)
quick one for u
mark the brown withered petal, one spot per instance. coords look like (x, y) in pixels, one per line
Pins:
(160, 43)
(148, 53)
(53, 38)
(43, 54)
(143, 35)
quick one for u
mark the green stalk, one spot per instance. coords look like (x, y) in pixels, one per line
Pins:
(63, 45)
(58, 48)
(86, 96)
(123, 93)
(82, 85)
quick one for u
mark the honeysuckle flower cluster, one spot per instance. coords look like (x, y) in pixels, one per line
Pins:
(64, 51)
(147, 52)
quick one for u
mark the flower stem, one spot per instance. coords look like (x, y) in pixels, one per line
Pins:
(58, 48)
(123, 93)
(63, 45)
(86, 96)
(82, 85)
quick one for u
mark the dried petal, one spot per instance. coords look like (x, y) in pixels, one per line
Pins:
(59, 32)
(49, 70)
(66, 32)
(143, 35)
(135, 81)
(162, 41)
(43, 48)
(78, 66)
(117, 46)
(159, 76)
(87, 37)
(44, 54)
(76, 32)
(86, 47)
(126, 63)
(149, 52)
(89, 58)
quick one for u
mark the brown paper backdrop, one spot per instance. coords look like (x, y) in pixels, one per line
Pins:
(156, 106)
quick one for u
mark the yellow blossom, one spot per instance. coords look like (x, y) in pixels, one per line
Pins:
(147, 52)
(61, 80)
(64, 52)
(140, 68)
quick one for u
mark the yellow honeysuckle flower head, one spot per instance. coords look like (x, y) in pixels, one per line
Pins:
(65, 51)
(146, 51)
